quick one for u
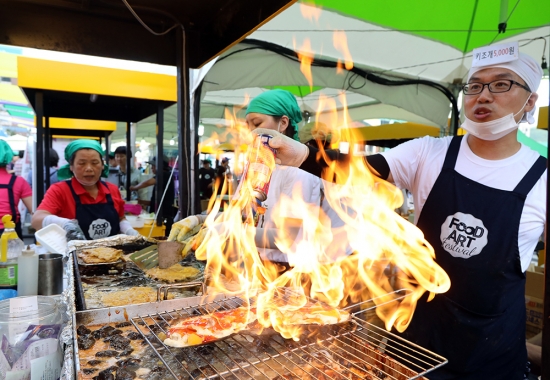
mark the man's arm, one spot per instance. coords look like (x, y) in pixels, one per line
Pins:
(315, 162)
(146, 183)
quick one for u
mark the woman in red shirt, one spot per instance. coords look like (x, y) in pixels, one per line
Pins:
(84, 206)
(12, 189)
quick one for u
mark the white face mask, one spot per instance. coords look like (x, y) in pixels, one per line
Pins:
(494, 129)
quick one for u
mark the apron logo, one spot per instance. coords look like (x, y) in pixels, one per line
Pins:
(99, 228)
(463, 235)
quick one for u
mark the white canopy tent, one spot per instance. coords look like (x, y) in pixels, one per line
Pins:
(251, 68)
(422, 49)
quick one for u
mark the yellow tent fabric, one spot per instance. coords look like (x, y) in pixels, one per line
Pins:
(543, 118)
(72, 77)
(224, 147)
(12, 93)
(397, 131)
(8, 65)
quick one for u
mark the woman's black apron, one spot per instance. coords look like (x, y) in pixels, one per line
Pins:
(98, 220)
(13, 207)
(479, 324)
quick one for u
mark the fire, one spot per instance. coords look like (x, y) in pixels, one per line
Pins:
(352, 248)
(305, 56)
(340, 41)
(310, 12)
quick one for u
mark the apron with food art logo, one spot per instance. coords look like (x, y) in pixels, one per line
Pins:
(98, 220)
(479, 324)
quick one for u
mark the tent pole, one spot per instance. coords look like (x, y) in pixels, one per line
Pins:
(184, 144)
(128, 161)
(107, 147)
(159, 185)
(39, 154)
(545, 370)
(47, 144)
(195, 142)
(453, 128)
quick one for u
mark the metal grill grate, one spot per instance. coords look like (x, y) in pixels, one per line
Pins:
(355, 350)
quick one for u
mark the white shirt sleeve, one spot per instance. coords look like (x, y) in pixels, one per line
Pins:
(415, 166)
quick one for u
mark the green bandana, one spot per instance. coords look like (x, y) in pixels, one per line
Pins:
(277, 103)
(6, 154)
(65, 172)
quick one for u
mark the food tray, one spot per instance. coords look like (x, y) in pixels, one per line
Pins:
(53, 237)
(95, 280)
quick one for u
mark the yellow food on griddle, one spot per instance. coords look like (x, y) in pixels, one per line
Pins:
(100, 255)
(175, 273)
(131, 296)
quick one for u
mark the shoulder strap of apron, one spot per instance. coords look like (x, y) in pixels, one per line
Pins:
(107, 193)
(452, 153)
(76, 197)
(11, 197)
(530, 179)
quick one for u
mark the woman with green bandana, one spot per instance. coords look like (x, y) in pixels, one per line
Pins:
(12, 189)
(84, 206)
(275, 110)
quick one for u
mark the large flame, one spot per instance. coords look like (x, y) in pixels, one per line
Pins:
(340, 41)
(352, 248)
(310, 12)
(305, 55)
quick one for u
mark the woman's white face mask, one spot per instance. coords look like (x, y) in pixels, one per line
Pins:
(494, 129)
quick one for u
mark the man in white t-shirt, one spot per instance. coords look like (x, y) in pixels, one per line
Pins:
(480, 200)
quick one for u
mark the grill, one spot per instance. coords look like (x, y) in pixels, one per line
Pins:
(357, 349)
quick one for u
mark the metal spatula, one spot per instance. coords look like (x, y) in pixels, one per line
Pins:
(146, 258)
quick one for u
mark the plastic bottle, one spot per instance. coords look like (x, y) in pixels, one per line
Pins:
(27, 273)
(10, 249)
(260, 167)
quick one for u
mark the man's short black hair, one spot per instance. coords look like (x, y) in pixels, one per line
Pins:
(21, 153)
(122, 150)
(54, 158)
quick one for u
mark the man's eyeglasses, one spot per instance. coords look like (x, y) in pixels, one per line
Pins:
(496, 86)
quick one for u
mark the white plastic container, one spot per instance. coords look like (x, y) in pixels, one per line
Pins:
(53, 237)
(135, 221)
(27, 273)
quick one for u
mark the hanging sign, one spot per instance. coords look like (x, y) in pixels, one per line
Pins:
(495, 54)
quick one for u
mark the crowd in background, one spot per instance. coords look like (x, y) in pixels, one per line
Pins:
(141, 184)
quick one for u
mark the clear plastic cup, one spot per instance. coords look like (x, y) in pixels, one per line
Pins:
(13, 326)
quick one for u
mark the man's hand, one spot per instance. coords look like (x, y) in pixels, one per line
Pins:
(183, 227)
(289, 152)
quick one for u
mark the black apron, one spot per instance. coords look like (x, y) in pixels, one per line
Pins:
(13, 207)
(479, 324)
(98, 220)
